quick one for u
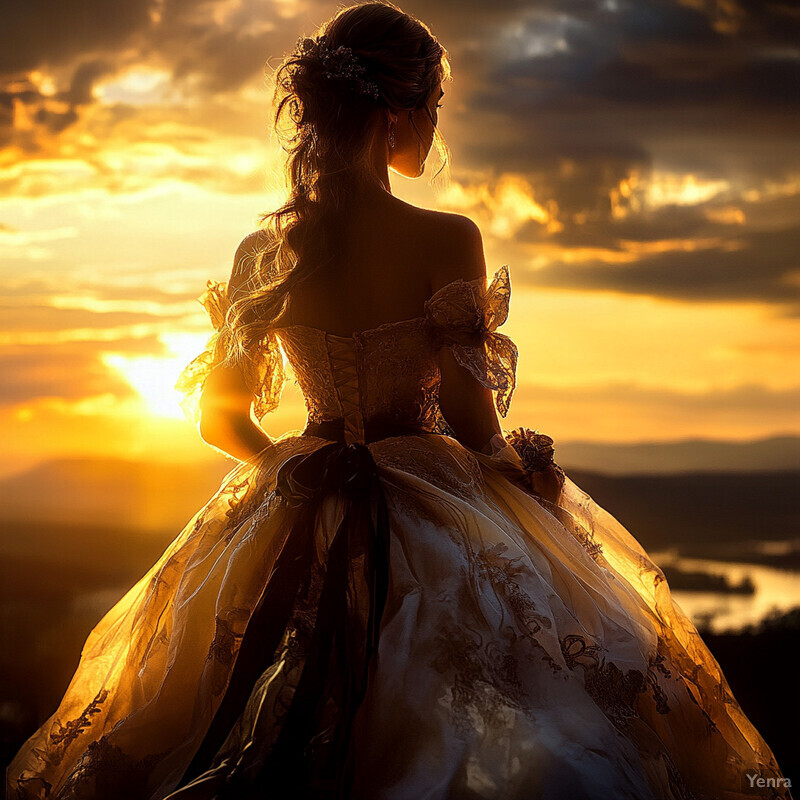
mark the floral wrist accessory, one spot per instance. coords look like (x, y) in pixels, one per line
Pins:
(535, 450)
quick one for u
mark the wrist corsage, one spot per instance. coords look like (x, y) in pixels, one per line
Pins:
(536, 452)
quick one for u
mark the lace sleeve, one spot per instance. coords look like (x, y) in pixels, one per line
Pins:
(263, 372)
(464, 316)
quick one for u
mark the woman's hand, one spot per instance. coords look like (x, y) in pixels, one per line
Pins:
(548, 483)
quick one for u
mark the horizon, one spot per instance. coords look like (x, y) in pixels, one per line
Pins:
(776, 453)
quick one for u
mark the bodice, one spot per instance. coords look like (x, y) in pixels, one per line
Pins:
(387, 375)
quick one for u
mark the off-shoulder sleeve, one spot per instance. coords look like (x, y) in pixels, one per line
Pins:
(263, 371)
(464, 317)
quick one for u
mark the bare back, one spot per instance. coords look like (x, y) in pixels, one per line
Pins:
(395, 255)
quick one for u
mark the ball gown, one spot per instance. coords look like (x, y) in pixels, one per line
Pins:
(372, 610)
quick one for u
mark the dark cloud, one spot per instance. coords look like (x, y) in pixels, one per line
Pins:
(81, 42)
(759, 82)
(574, 81)
(224, 60)
(704, 274)
(51, 32)
(727, 219)
(663, 224)
(577, 97)
(83, 79)
(51, 113)
(55, 121)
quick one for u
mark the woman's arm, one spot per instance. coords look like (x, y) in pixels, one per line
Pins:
(469, 409)
(225, 421)
(466, 404)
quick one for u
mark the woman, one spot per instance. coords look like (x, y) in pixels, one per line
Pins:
(399, 602)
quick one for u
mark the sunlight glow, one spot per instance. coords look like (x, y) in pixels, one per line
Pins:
(45, 83)
(506, 206)
(153, 377)
(726, 215)
(665, 188)
(142, 85)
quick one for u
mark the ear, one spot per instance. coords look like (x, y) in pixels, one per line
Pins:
(391, 117)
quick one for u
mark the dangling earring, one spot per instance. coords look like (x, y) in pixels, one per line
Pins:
(391, 137)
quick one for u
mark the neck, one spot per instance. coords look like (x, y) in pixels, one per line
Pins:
(379, 159)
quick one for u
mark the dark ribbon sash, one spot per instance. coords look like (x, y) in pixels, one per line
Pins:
(345, 638)
(344, 641)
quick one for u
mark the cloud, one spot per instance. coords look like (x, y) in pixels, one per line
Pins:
(703, 274)
(642, 147)
(569, 118)
(505, 206)
(39, 289)
(651, 52)
(53, 32)
(745, 397)
(141, 292)
(71, 370)
(56, 57)
(629, 412)
(649, 131)
(42, 317)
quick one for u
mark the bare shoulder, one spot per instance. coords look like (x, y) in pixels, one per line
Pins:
(250, 249)
(248, 256)
(453, 245)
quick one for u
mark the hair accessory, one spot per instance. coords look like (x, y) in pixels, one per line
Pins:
(340, 63)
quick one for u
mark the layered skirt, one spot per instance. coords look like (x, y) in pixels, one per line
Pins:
(396, 620)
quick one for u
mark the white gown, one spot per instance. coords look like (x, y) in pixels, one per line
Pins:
(373, 611)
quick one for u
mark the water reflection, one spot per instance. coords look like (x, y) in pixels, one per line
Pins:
(721, 611)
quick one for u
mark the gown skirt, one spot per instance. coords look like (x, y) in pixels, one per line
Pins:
(396, 619)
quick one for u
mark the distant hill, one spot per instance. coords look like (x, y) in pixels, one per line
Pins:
(686, 508)
(111, 492)
(690, 455)
(703, 513)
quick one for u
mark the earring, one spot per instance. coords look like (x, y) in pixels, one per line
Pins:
(391, 137)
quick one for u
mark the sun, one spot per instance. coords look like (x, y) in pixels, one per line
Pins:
(153, 377)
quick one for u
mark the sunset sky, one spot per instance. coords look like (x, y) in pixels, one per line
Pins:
(635, 163)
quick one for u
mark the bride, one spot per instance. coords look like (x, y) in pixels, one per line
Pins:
(403, 601)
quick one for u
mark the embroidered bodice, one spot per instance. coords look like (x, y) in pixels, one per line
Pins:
(387, 374)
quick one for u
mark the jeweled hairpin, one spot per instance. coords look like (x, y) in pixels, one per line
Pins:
(340, 63)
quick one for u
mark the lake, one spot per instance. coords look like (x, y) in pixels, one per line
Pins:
(721, 611)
